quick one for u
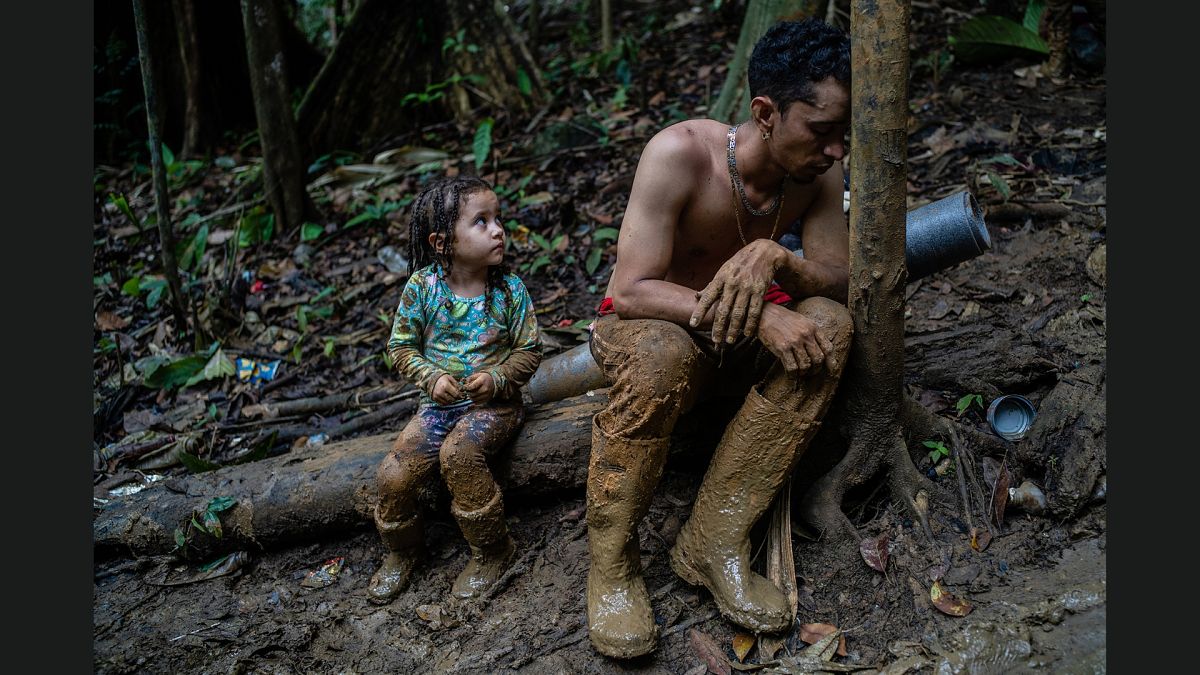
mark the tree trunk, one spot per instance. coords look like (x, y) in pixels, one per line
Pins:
(283, 174)
(1057, 18)
(319, 492)
(166, 238)
(873, 380)
(733, 103)
(606, 39)
(189, 55)
(388, 52)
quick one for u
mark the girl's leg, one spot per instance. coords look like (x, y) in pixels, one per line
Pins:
(402, 473)
(476, 502)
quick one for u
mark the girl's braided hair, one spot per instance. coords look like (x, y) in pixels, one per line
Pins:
(436, 211)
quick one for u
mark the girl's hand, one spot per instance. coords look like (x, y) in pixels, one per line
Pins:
(480, 388)
(446, 391)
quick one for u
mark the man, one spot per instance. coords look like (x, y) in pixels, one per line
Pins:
(686, 318)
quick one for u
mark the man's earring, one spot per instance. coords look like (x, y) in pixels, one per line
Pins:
(766, 135)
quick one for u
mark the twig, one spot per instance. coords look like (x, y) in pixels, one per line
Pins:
(198, 630)
(690, 622)
(959, 471)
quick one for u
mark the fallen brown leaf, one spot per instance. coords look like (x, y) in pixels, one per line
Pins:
(875, 551)
(708, 650)
(811, 633)
(742, 644)
(107, 321)
(947, 603)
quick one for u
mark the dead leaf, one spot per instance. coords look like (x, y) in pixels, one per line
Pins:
(971, 309)
(704, 71)
(816, 633)
(107, 321)
(1000, 496)
(430, 613)
(875, 551)
(980, 539)
(742, 644)
(947, 603)
(218, 237)
(940, 142)
(708, 650)
(826, 640)
(657, 99)
(940, 309)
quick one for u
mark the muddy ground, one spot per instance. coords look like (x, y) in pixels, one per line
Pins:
(1023, 318)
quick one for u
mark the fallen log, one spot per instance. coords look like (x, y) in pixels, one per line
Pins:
(323, 491)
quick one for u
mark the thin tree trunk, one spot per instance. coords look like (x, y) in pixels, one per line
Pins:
(189, 55)
(283, 174)
(733, 103)
(873, 379)
(166, 238)
(1057, 17)
(606, 37)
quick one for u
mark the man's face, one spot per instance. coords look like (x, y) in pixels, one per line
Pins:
(812, 136)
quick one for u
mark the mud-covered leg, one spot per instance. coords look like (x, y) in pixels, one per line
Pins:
(751, 463)
(653, 366)
(476, 502)
(397, 515)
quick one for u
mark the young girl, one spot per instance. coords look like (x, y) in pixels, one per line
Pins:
(465, 334)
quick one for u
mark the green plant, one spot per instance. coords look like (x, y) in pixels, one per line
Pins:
(153, 287)
(990, 37)
(937, 62)
(436, 90)
(163, 372)
(964, 404)
(938, 450)
(599, 237)
(377, 211)
(256, 227)
(207, 521)
(457, 43)
(482, 144)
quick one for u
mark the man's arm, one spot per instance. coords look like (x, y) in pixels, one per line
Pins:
(647, 237)
(825, 268)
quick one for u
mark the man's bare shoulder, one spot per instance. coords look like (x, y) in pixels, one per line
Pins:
(689, 143)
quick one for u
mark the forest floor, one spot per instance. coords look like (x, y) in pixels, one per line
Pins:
(1027, 317)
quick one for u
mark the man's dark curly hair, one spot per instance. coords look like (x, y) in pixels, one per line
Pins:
(792, 55)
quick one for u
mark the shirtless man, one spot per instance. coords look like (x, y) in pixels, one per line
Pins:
(686, 318)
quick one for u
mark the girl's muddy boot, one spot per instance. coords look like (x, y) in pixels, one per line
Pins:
(492, 548)
(404, 543)
(622, 474)
(748, 468)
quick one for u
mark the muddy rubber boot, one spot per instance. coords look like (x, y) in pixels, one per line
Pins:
(492, 549)
(622, 475)
(748, 468)
(404, 543)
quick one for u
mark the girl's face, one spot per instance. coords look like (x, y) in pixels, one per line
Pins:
(478, 234)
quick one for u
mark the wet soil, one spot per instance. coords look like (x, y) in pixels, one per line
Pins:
(1036, 301)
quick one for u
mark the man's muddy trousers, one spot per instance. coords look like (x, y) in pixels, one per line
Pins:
(659, 370)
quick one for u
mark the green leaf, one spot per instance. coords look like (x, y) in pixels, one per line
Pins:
(212, 522)
(123, 206)
(311, 231)
(523, 82)
(180, 538)
(540, 241)
(168, 157)
(132, 286)
(605, 234)
(329, 347)
(482, 144)
(156, 287)
(1000, 184)
(362, 217)
(196, 465)
(190, 251)
(593, 260)
(175, 373)
(198, 525)
(1003, 158)
(224, 162)
(218, 366)
(213, 565)
(219, 504)
(989, 37)
(538, 263)
(964, 403)
(1033, 15)
(557, 241)
(1085, 297)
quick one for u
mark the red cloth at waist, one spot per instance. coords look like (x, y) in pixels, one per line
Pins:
(775, 295)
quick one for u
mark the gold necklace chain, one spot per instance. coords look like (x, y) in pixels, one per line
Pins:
(738, 218)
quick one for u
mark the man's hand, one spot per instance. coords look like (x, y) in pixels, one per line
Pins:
(446, 391)
(480, 388)
(737, 290)
(796, 340)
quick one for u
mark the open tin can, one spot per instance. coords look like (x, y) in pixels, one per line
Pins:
(1011, 416)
